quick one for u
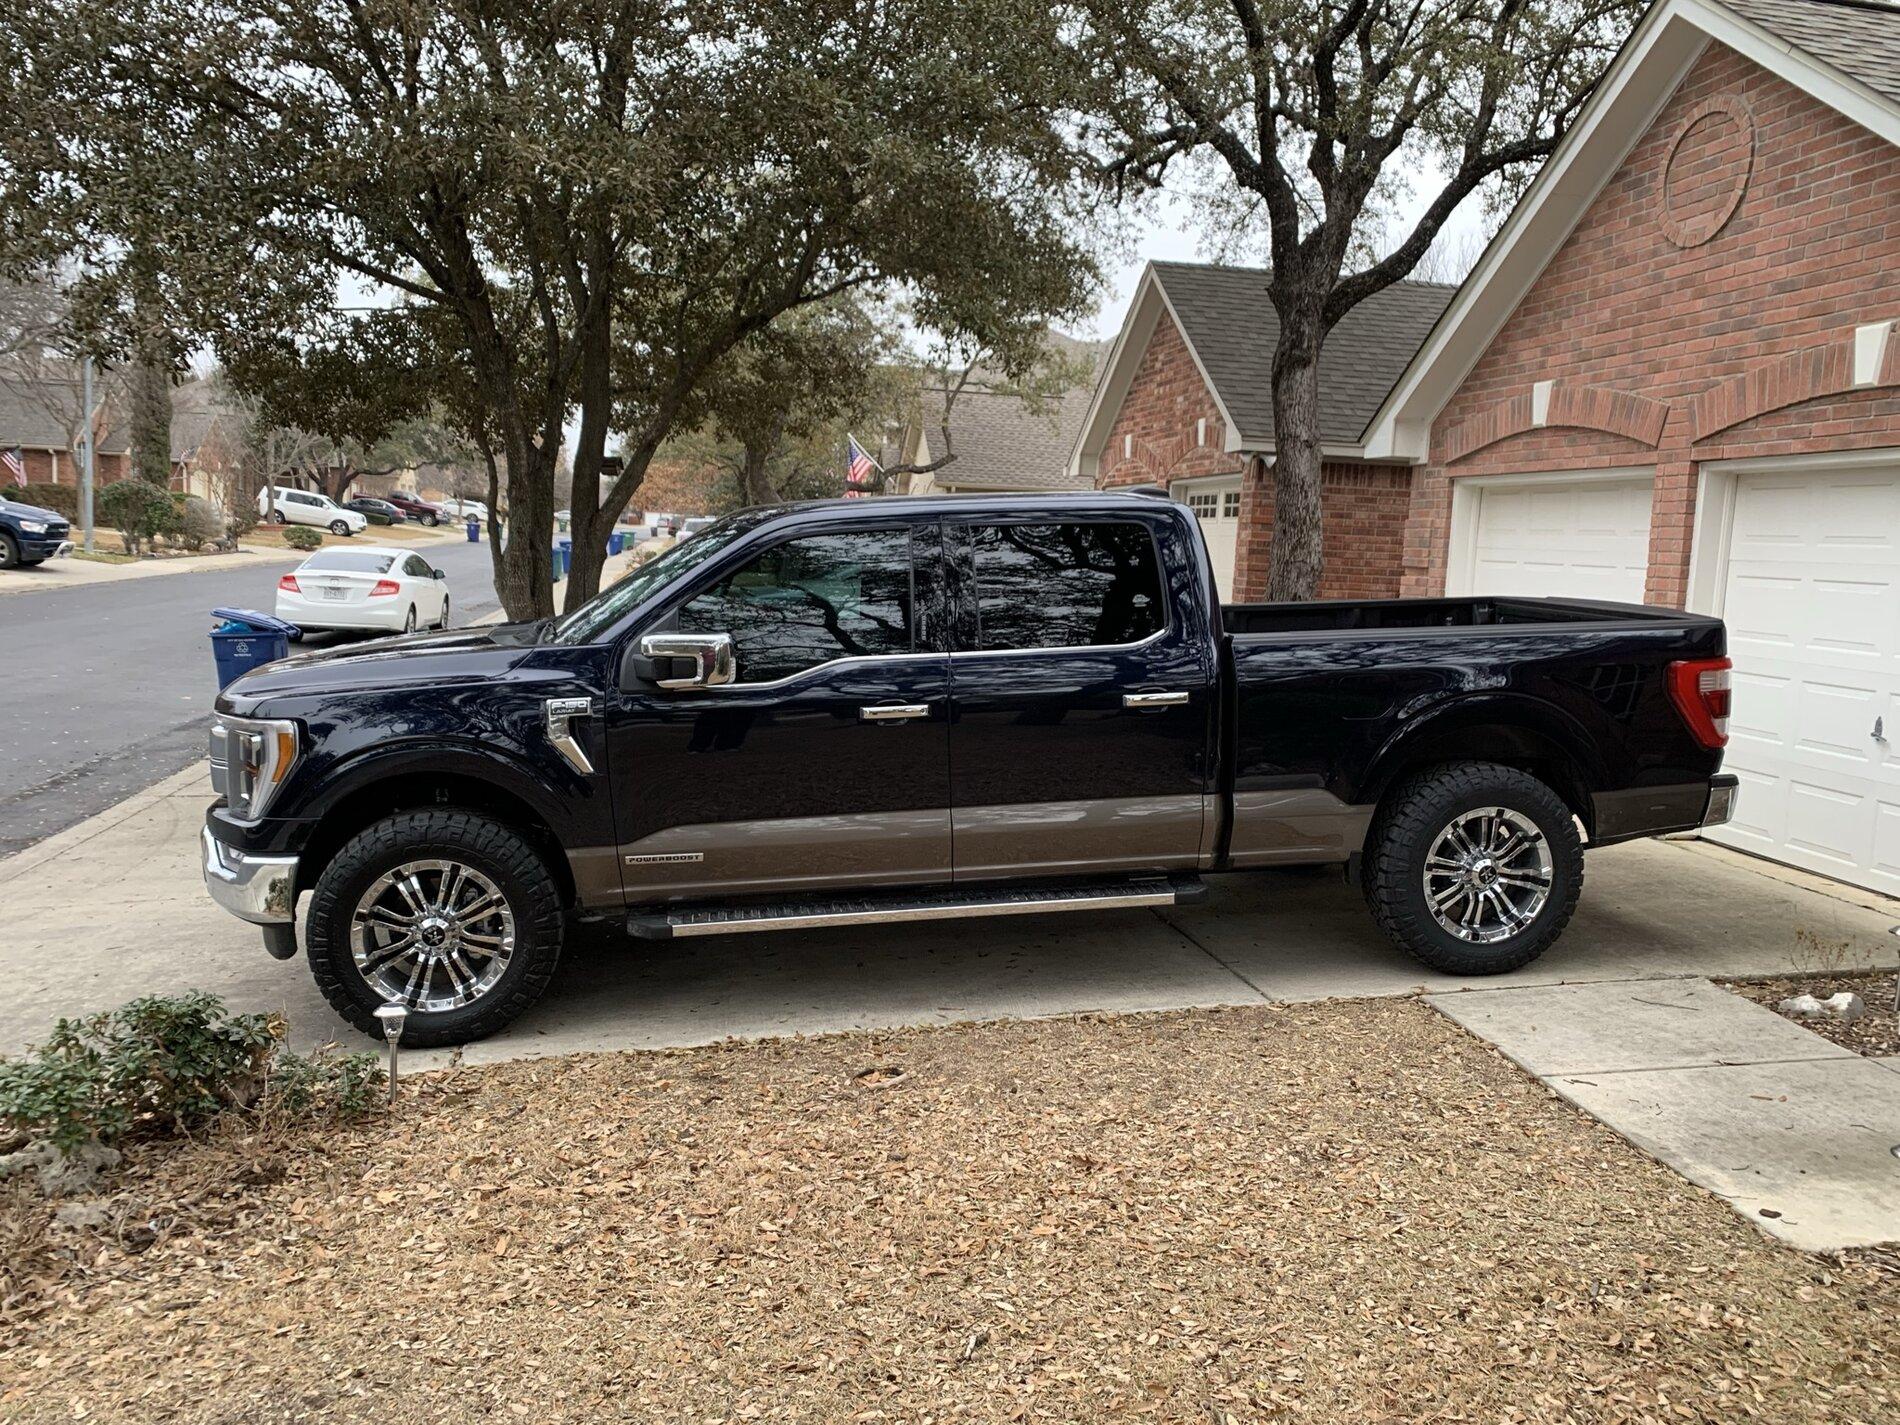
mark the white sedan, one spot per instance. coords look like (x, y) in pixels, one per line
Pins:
(386, 590)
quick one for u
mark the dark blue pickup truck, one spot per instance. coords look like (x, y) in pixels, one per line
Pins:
(30, 535)
(887, 710)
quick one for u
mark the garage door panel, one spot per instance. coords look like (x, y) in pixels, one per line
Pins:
(1585, 539)
(1812, 602)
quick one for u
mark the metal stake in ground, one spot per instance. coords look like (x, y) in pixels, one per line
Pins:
(392, 1016)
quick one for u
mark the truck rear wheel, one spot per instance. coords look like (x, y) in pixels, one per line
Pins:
(446, 912)
(1473, 868)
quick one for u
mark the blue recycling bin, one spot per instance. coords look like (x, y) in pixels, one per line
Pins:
(474, 530)
(563, 556)
(247, 639)
(615, 543)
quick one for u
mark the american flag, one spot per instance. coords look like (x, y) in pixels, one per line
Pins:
(15, 462)
(857, 475)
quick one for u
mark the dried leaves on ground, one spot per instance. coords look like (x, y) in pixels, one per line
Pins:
(1876, 1033)
(1342, 1212)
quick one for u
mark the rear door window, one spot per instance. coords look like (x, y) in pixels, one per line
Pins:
(812, 601)
(1063, 585)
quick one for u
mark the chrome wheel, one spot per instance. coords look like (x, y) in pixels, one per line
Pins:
(432, 935)
(1488, 874)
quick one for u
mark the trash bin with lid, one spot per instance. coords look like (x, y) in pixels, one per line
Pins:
(615, 543)
(474, 530)
(247, 639)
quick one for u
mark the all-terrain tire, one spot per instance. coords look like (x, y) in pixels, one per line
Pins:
(475, 840)
(1410, 821)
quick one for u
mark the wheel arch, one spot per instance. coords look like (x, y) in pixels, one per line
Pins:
(387, 785)
(1509, 731)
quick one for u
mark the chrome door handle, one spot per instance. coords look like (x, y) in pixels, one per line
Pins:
(902, 712)
(1153, 700)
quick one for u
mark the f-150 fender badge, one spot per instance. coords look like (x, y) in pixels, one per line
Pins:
(561, 713)
(665, 858)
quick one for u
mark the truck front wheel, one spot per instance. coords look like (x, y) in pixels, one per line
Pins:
(446, 912)
(1473, 868)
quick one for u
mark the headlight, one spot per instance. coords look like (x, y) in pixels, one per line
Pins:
(33, 526)
(250, 758)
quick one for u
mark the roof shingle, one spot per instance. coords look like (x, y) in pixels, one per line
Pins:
(1229, 321)
(1000, 443)
(1860, 38)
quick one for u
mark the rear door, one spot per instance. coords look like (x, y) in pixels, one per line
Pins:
(825, 764)
(1084, 692)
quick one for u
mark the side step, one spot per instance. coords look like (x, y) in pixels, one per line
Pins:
(880, 908)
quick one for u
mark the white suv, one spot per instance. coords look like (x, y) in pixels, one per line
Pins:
(307, 507)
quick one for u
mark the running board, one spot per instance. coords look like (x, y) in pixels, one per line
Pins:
(950, 903)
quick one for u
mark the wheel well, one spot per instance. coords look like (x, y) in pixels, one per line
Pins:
(389, 795)
(1507, 745)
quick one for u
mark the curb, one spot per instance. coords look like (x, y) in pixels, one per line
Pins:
(61, 842)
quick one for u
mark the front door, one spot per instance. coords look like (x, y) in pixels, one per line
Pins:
(1083, 714)
(825, 763)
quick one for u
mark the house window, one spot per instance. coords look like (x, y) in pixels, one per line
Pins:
(1203, 504)
(1230, 504)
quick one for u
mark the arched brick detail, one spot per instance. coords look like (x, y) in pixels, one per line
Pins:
(1804, 375)
(1624, 413)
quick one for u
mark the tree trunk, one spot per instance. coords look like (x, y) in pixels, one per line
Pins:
(151, 424)
(1297, 551)
(524, 569)
(755, 481)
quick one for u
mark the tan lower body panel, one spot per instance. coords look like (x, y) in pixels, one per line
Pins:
(1297, 825)
(798, 853)
(1078, 838)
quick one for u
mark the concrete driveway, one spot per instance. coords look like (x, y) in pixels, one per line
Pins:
(113, 908)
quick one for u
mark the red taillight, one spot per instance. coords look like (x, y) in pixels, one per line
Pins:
(1699, 689)
(385, 586)
(288, 584)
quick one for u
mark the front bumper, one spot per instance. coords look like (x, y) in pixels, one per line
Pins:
(37, 549)
(260, 889)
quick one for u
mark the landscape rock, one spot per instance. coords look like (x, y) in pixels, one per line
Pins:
(82, 1214)
(1845, 1006)
(61, 1174)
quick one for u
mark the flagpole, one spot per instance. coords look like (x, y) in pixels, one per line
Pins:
(85, 464)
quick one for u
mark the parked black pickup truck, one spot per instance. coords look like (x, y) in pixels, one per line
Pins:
(897, 709)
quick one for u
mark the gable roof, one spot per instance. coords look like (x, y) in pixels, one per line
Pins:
(34, 411)
(1841, 52)
(1001, 443)
(1230, 327)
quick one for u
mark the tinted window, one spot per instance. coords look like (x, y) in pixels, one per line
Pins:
(1064, 585)
(811, 600)
(415, 568)
(347, 561)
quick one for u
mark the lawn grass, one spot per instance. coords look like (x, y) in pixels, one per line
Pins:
(1339, 1212)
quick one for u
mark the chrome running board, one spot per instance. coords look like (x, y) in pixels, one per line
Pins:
(949, 903)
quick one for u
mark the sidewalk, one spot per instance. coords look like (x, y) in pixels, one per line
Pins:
(1792, 1131)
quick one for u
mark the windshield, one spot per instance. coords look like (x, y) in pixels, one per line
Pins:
(344, 560)
(601, 612)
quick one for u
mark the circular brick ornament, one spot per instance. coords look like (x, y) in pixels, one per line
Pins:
(1702, 188)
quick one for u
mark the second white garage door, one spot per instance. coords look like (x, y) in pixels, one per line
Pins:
(1548, 535)
(1812, 601)
(1216, 504)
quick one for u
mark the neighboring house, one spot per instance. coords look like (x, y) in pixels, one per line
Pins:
(999, 440)
(1185, 401)
(207, 440)
(40, 417)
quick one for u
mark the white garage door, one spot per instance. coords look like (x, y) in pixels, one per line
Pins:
(1216, 504)
(1812, 602)
(1587, 539)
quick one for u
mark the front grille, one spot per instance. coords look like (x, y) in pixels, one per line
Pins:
(57, 529)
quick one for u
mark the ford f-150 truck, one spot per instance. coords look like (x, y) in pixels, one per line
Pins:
(862, 711)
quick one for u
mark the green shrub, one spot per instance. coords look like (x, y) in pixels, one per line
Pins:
(173, 1065)
(303, 536)
(202, 523)
(139, 511)
(61, 499)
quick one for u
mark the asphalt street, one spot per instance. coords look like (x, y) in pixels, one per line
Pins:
(106, 689)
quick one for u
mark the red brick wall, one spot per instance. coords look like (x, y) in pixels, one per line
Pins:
(1744, 320)
(1158, 421)
(1362, 531)
(1363, 508)
(62, 467)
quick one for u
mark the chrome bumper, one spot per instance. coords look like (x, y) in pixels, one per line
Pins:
(1723, 792)
(260, 889)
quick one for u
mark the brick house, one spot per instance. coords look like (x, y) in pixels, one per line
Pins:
(40, 416)
(1675, 377)
(1184, 400)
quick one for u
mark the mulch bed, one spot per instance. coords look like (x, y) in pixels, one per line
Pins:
(1338, 1213)
(1876, 1034)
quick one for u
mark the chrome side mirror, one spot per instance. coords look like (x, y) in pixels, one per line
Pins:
(710, 654)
